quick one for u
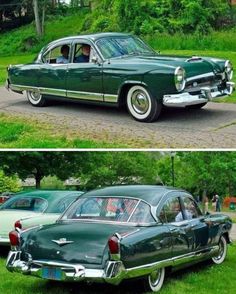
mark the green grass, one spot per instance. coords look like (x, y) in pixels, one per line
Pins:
(14, 41)
(202, 278)
(25, 133)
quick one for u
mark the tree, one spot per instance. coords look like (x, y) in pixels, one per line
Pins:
(39, 164)
(39, 7)
(9, 184)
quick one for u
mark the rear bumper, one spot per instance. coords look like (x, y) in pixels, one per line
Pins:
(113, 273)
(206, 94)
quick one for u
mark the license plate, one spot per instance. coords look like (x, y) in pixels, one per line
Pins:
(51, 273)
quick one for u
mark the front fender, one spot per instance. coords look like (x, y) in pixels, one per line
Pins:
(160, 82)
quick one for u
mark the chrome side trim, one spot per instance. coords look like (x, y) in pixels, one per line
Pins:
(85, 95)
(111, 98)
(70, 94)
(51, 91)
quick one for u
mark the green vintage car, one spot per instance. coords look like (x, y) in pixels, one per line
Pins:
(120, 69)
(28, 209)
(122, 232)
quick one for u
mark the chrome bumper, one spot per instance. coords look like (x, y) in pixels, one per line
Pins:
(207, 94)
(113, 273)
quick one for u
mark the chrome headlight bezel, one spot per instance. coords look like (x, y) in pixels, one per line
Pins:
(229, 70)
(180, 79)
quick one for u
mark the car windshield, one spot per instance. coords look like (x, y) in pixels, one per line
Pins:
(122, 46)
(116, 209)
(35, 204)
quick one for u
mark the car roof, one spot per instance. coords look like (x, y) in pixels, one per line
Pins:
(93, 37)
(47, 194)
(51, 196)
(149, 193)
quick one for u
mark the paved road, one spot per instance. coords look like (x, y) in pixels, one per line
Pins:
(212, 127)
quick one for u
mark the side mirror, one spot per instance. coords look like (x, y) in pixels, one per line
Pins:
(94, 59)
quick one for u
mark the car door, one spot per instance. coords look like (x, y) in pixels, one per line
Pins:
(84, 79)
(197, 223)
(171, 213)
(52, 75)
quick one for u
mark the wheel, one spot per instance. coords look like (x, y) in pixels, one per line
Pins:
(196, 106)
(155, 280)
(141, 105)
(35, 98)
(222, 251)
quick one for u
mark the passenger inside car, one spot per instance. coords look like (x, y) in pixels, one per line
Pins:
(85, 54)
(64, 58)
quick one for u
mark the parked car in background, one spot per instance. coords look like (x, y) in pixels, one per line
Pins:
(5, 196)
(122, 232)
(120, 69)
(42, 206)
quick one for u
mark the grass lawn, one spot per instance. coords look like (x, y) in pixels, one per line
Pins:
(25, 133)
(201, 279)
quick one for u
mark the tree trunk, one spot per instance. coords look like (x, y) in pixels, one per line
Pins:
(38, 178)
(43, 18)
(204, 194)
(37, 18)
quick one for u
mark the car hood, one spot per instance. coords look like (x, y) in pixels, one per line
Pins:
(87, 241)
(9, 217)
(192, 66)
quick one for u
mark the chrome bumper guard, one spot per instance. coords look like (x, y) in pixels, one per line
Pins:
(113, 273)
(207, 94)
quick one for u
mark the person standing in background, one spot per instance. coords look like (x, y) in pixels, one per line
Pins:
(218, 208)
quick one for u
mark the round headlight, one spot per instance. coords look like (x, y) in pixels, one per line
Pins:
(229, 70)
(180, 80)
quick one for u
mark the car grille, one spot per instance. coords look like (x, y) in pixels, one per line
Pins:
(196, 84)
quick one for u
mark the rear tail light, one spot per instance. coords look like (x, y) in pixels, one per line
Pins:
(18, 225)
(113, 244)
(14, 238)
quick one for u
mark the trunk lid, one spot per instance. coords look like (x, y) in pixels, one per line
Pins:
(9, 217)
(85, 242)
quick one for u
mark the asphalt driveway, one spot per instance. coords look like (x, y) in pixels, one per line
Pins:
(212, 127)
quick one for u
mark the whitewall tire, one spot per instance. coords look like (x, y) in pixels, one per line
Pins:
(155, 280)
(141, 105)
(35, 98)
(222, 251)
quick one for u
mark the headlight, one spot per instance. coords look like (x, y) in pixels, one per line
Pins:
(229, 70)
(180, 80)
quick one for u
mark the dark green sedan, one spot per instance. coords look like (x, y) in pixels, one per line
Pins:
(122, 232)
(120, 69)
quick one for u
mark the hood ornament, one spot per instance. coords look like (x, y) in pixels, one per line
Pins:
(62, 242)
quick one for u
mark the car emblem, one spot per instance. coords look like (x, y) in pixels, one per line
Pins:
(195, 84)
(62, 242)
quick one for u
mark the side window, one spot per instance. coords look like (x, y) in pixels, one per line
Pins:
(142, 214)
(59, 55)
(171, 211)
(83, 53)
(191, 210)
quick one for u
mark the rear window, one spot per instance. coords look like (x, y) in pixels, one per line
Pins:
(116, 209)
(26, 203)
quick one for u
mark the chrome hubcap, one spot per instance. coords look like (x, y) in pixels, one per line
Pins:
(155, 278)
(221, 251)
(35, 95)
(140, 102)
